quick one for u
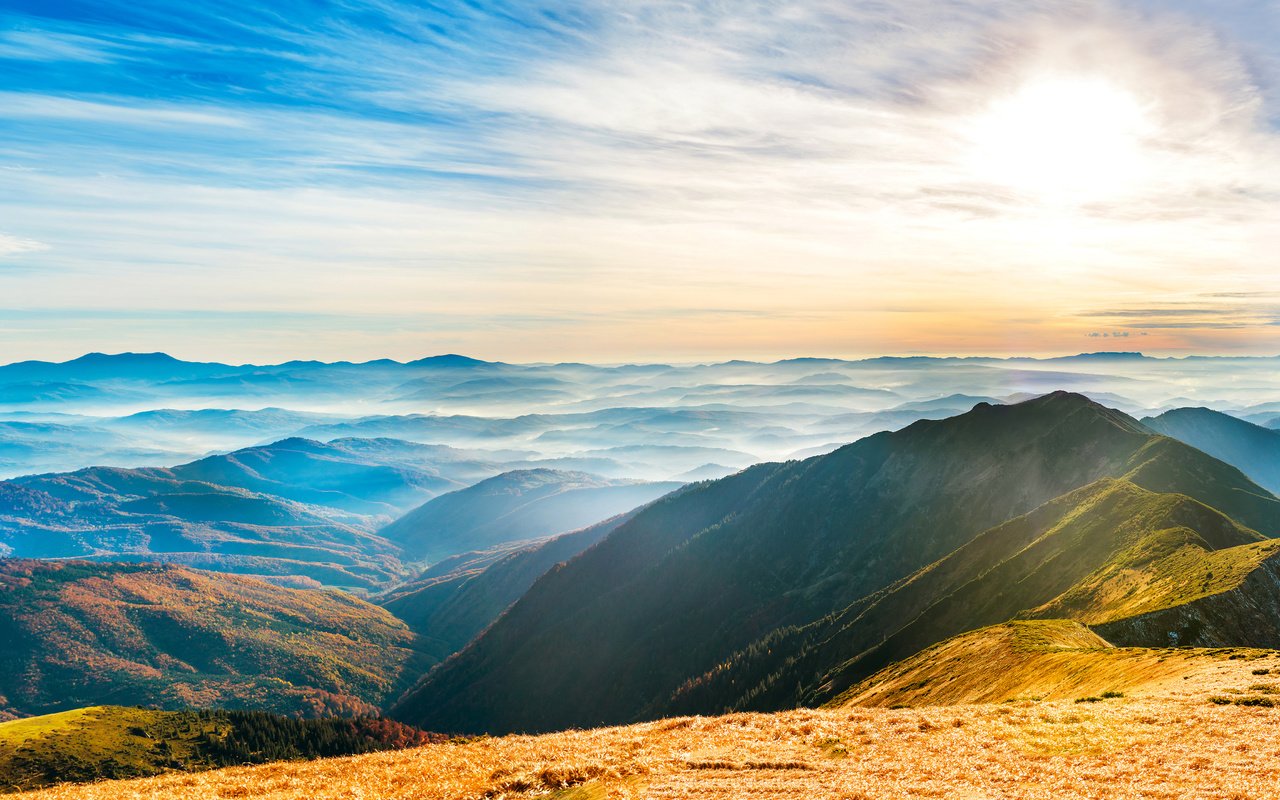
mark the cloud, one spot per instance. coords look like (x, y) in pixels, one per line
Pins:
(14, 245)
(805, 164)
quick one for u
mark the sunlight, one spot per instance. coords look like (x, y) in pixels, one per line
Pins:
(1062, 140)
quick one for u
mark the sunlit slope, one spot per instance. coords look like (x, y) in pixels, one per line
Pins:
(691, 580)
(1044, 660)
(1107, 552)
(78, 634)
(1169, 742)
(117, 742)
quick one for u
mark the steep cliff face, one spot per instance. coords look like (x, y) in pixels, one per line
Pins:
(1245, 616)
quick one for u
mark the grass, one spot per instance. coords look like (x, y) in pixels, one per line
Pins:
(1046, 659)
(1168, 746)
(105, 742)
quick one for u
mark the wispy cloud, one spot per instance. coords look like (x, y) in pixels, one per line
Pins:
(805, 164)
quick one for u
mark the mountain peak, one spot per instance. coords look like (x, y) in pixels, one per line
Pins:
(450, 361)
(124, 358)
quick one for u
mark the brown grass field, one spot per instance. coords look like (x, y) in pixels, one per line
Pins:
(1179, 737)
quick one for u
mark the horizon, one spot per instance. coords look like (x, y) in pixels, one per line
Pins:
(1099, 354)
(681, 181)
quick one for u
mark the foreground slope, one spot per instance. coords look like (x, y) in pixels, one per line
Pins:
(1172, 743)
(79, 634)
(117, 742)
(1042, 660)
(610, 636)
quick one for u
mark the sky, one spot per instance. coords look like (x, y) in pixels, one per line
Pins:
(608, 181)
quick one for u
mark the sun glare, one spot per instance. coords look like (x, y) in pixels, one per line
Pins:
(1062, 140)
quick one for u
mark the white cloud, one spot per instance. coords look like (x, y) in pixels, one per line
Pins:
(14, 245)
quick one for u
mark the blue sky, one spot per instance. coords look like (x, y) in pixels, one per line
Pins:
(607, 181)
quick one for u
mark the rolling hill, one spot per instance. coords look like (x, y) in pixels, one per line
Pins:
(515, 506)
(79, 634)
(296, 507)
(692, 579)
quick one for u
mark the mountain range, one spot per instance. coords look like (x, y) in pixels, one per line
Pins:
(733, 566)
(533, 573)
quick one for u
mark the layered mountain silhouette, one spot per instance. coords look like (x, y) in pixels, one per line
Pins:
(828, 560)
(1252, 448)
(515, 506)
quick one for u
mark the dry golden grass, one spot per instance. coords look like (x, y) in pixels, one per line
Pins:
(1042, 660)
(1173, 743)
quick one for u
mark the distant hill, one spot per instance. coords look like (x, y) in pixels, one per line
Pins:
(79, 634)
(515, 506)
(115, 742)
(461, 596)
(694, 578)
(1255, 450)
(294, 507)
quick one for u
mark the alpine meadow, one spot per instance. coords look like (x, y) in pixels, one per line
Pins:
(584, 400)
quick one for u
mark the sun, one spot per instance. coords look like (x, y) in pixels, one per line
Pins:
(1062, 140)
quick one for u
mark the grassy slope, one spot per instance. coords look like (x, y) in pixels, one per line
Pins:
(79, 634)
(1042, 659)
(114, 742)
(1104, 552)
(1170, 743)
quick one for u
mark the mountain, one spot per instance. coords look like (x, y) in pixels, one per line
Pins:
(457, 599)
(1255, 450)
(294, 507)
(1036, 661)
(515, 506)
(80, 634)
(151, 514)
(698, 576)
(1109, 555)
(115, 742)
(384, 477)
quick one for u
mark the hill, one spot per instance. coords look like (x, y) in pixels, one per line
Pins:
(1109, 554)
(1170, 742)
(694, 578)
(296, 507)
(80, 634)
(1255, 450)
(114, 742)
(515, 506)
(1043, 660)
(458, 598)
